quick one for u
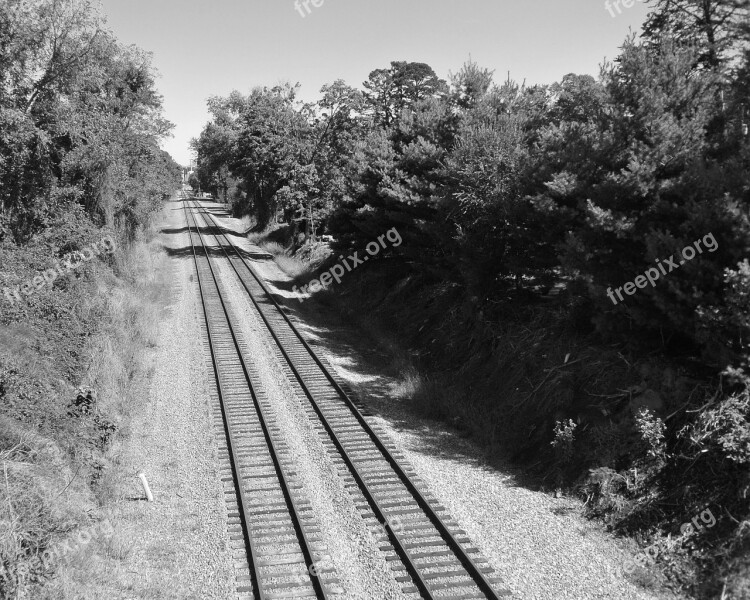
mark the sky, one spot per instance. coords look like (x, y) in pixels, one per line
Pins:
(205, 48)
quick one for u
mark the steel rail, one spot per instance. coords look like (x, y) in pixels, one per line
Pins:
(456, 547)
(304, 542)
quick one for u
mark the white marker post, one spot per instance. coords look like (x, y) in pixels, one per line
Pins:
(146, 489)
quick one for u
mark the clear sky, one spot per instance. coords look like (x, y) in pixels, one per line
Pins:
(210, 47)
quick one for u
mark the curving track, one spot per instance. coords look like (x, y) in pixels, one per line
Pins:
(429, 553)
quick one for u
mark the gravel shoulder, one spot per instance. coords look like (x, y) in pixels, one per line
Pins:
(539, 545)
(177, 546)
(352, 550)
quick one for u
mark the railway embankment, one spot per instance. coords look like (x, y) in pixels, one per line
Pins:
(539, 545)
(74, 373)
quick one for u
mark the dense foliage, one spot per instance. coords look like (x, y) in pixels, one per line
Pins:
(80, 122)
(80, 162)
(503, 192)
(507, 189)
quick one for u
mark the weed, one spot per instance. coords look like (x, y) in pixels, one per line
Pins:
(92, 331)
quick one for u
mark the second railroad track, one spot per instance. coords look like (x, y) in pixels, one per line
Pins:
(431, 556)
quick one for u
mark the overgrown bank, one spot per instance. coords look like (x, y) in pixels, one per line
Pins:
(649, 440)
(71, 377)
(81, 176)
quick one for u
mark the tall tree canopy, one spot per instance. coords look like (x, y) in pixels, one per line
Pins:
(80, 120)
(507, 189)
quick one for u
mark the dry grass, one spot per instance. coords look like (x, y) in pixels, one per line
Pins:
(40, 499)
(294, 267)
(247, 224)
(44, 492)
(427, 396)
(87, 570)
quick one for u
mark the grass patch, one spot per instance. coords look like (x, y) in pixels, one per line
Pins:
(276, 242)
(69, 384)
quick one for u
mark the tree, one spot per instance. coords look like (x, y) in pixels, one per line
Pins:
(80, 120)
(470, 84)
(639, 172)
(273, 138)
(340, 111)
(404, 84)
(718, 29)
(194, 182)
(214, 149)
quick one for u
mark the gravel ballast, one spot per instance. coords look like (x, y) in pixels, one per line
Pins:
(177, 546)
(539, 545)
(353, 550)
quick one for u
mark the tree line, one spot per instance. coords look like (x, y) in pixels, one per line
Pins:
(80, 122)
(507, 189)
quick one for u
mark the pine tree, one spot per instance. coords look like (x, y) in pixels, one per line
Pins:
(718, 29)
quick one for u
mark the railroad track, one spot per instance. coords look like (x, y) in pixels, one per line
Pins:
(430, 555)
(271, 524)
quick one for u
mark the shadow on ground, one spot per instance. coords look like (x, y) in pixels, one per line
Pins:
(369, 371)
(209, 231)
